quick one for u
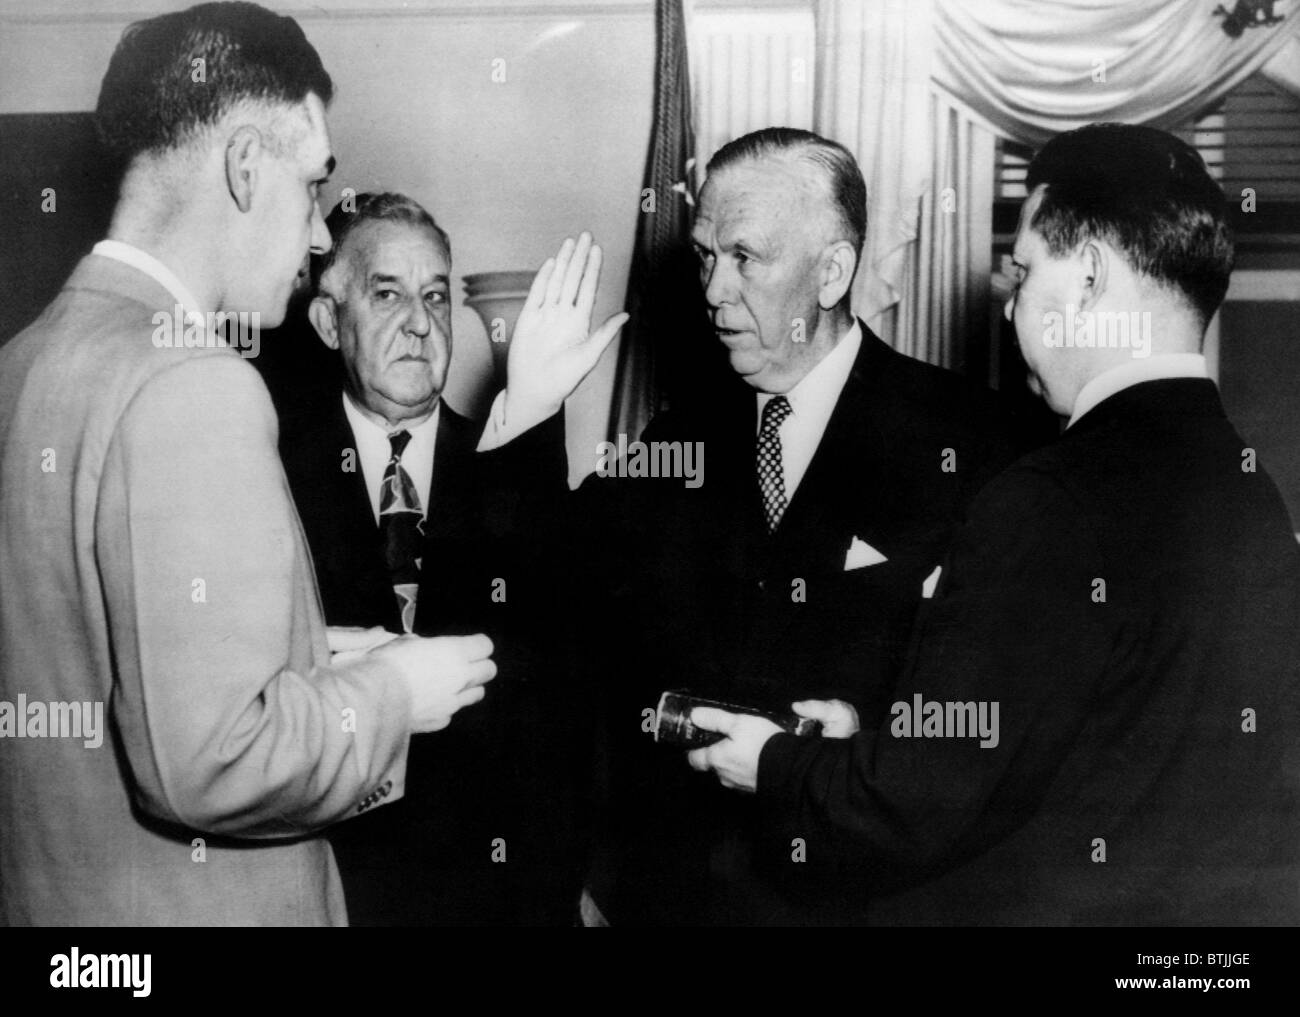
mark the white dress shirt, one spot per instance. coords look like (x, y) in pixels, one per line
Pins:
(812, 401)
(155, 270)
(374, 451)
(1153, 368)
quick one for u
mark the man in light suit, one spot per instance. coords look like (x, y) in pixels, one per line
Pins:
(152, 565)
(417, 524)
(1098, 723)
(833, 470)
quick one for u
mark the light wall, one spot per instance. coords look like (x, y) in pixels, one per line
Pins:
(508, 167)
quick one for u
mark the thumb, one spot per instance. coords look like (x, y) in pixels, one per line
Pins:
(817, 709)
(344, 638)
(709, 718)
(604, 335)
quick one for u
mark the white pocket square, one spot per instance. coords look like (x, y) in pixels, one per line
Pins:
(931, 581)
(861, 554)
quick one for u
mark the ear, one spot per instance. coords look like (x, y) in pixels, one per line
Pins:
(324, 319)
(243, 153)
(838, 263)
(1094, 260)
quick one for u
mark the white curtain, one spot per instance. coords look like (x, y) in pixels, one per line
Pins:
(873, 96)
(918, 91)
(1035, 68)
(945, 305)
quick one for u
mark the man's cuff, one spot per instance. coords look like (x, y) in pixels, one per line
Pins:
(502, 428)
(776, 766)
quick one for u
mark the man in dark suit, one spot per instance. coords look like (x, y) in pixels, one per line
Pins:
(415, 525)
(1098, 724)
(832, 470)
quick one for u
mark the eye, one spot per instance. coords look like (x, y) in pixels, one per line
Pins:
(387, 293)
(436, 297)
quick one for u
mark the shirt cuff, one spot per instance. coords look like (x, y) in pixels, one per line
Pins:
(499, 430)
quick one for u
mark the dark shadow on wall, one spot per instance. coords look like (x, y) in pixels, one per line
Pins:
(59, 187)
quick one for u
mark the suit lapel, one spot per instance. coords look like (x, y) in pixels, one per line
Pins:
(833, 503)
(341, 524)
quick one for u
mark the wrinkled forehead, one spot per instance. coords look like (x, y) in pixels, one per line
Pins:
(397, 249)
(772, 192)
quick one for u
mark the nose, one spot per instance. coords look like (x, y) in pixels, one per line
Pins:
(418, 319)
(717, 287)
(320, 234)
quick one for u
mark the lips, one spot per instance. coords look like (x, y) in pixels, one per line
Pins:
(725, 333)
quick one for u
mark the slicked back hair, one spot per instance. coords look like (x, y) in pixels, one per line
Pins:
(1146, 193)
(848, 191)
(349, 214)
(175, 75)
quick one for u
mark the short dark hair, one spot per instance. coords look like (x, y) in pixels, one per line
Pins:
(150, 101)
(1145, 192)
(354, 211)
(847, 188)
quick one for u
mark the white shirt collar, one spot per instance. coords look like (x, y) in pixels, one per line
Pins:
(1153, 368)
(155, 270)
(812, 400)
(374, 451)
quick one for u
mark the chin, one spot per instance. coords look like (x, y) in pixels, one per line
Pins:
(747, 365)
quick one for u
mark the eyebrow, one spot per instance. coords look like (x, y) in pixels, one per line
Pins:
(376, 278)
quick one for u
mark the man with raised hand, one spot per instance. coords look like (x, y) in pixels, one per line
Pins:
(416, 523)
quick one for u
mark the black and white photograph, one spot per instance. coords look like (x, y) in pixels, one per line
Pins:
(678, 464)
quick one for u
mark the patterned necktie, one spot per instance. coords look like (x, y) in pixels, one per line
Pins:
(771, 477)
(401, 523)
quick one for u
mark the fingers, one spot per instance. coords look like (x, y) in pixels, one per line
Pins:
(699, 759)
(578, 269)
(590, 279)
(480, 673)
(470, 696)
(709, 718)
(555, 284)
(537, 292)
(475, 647)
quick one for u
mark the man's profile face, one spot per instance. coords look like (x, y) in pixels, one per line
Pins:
(289, 217)
(760, 230)
(394, 321)
(1045, 285)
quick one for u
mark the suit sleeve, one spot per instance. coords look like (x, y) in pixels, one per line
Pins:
(198, 546)
(1015, 624)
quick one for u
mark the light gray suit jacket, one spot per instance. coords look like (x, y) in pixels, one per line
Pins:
(151, 560)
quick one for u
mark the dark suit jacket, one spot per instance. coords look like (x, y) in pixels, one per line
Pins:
(704, 599)
(1141, 774)
(502, 776)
